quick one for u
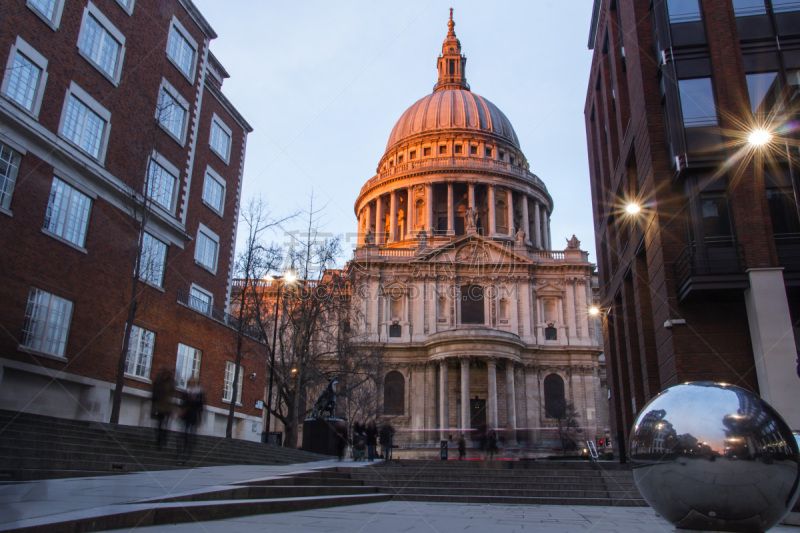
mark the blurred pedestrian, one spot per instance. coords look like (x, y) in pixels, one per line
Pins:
(192, 401)
(372, 439)
(491, 444)
(387, 438)
(161, 411)
(462, 448)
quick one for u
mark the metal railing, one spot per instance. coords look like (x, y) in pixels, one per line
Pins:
(218, 315)
(720, 256)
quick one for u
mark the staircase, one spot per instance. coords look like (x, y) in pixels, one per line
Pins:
(41, 447)
(503, 482)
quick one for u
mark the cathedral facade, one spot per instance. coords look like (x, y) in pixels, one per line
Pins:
(483, 324)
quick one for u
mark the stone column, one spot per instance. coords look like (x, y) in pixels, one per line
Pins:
(511, 405)
(510, 212)
(526, 222)
(444, 397)
(451, 226)
(380, 236)
(537, 225)
(393, 217)
(772, 341)
(465, 414)
(491, 401)
(410, 216)
(492, 207)
(471, 195)
(548, 244)
(430, 402)
(430, 208)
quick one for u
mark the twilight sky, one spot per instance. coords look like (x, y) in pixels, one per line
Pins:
(323, 83)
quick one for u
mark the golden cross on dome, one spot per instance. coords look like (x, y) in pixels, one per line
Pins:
(451, 24)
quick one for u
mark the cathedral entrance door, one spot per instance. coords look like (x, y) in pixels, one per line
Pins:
(477, 410)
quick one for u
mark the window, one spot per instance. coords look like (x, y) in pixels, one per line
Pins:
(48, 10)
(181, 49)
(472, 304)
(412, 154)
(227, 390)
(25, 76)
(205, 252)
(746, 8)
(200, 300)
(140, 352)
(473, 149)
(783, 212)
(550, 333)
(101, 43)
(153, 258)
(187, 365)
(9, 165)
(171, 111)
(127, 5)
(683, 11)
(715, 220)
(487, 152)
(782, 6)
(555, 404)
(395, 330)
(697, 102)
(764, 89)
(161, 184)
(214, 191)
(443, 149)
(67, 213)
(426, 151)
(46, 325)
(394, 393)
(457, 148)
(220, 139)
(84, 122)
(399, 159)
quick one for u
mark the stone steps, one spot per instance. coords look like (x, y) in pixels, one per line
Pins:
(39, 447)
(503, 482)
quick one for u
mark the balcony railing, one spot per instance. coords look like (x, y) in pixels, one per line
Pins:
(218, 315)
(788, 248)
(706, 268)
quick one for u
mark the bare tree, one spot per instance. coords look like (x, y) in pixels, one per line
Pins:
(567, 422)
(148, 265)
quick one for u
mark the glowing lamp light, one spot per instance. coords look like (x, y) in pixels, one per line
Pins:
(759, 137)
(594, 310)
(633, 208)
(289, 276)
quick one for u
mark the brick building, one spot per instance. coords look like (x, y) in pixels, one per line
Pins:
(110, 109)
(703, 282)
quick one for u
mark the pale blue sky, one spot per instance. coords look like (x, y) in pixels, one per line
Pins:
(323, 83)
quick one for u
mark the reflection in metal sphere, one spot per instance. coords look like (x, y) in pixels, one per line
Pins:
(711, 456)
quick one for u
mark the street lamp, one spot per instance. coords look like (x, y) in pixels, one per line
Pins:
(289, 276)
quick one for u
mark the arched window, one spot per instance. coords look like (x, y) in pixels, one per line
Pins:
(554, 401)
(394, 386)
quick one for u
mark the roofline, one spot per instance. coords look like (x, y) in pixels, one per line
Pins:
(593, 24)
(199, 18)
(217, 93)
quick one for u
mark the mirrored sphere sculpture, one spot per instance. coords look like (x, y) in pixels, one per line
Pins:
(712, 456)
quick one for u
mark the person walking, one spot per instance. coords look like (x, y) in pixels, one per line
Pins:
(491, 445)
(462, 448)
(192, 401)
(387, 438)
(372, 439)
(161, 411)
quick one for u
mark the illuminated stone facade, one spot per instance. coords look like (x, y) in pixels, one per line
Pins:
(483, 324)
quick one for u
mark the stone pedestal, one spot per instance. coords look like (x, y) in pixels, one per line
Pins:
(319, 435)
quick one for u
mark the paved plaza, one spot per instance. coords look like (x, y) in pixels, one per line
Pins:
(40, 503)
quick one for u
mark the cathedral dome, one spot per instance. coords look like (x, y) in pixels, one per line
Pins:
(452, 109)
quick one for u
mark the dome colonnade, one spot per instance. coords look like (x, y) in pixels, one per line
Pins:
(453, 165)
